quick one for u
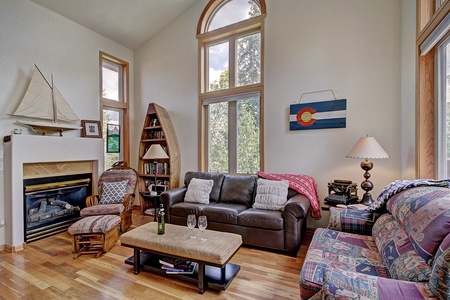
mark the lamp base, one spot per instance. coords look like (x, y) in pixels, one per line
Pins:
(366, 199)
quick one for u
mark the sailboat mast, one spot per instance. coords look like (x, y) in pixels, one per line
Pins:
(55, 112)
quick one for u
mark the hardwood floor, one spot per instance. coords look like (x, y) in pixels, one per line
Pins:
(46, 269)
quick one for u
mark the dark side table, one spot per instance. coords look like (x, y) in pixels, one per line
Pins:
(155, 202)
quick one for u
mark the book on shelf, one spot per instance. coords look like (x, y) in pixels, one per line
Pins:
(161, 168)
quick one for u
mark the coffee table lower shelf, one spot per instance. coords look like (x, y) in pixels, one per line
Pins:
(215, 277)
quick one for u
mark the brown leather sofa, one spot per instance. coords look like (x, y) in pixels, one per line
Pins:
(230, 210)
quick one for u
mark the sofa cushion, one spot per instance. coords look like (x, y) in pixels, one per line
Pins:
(440, 274)
(216, 177)
(424, 214)
(349, 285)
(269, 219)
(183, 209)
(198, 190)
(113, 192)
(271, 194)
(340, 251)
(398, 252)
(238, 189)
(223, 212)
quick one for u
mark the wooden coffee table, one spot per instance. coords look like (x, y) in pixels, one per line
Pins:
(212, 255)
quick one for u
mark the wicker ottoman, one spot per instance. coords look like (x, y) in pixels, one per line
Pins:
(94, 235)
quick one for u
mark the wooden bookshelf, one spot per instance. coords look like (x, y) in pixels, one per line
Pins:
(158, 129)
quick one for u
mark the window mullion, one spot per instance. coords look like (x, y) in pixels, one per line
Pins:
(232, 61)
(232, 136)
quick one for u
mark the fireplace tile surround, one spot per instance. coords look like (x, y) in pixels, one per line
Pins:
(27, 149)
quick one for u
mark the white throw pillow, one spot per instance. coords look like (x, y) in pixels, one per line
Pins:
(113, 192)
(198, 191)
(271, 195)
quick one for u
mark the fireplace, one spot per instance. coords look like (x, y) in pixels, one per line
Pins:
(52, 204)
(34, 156)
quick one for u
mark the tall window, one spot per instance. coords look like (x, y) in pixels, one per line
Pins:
(432, 121)
(114, 107)
(231, 89)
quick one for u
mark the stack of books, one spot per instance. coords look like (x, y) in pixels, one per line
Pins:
(177, 266)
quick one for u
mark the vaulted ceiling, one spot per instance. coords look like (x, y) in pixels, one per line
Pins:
(127, 22)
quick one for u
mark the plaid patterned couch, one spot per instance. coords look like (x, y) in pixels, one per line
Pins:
(403, 253)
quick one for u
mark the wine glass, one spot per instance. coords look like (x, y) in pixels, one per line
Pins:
(202, 224)
(191, 221)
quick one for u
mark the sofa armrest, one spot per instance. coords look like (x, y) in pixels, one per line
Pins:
(351, 220)
(295, 214)
(296, 207)
(171, 197)
(339, 284)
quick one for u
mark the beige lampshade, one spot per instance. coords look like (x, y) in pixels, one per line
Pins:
(155, 152)
(367, 147)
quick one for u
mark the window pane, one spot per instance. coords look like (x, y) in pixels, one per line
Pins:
(111, 117)
(248, 138)
(248, 53)
(232, 12)
(218, 138)
(218, 74)
(111, 74)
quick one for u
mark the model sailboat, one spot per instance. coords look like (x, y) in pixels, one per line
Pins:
(44, 102)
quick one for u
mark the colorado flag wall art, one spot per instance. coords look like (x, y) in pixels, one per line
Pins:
(318, 115)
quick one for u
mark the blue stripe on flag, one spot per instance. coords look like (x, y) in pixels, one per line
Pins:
(330, 105)
(320, 124)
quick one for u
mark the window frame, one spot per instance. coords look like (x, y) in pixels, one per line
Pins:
(205, 38)
(121, 105)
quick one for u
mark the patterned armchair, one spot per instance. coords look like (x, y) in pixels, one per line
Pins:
(116, 187)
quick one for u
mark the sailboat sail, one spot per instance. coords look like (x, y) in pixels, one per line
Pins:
(45, 102)
(37, 102)
(63, 111)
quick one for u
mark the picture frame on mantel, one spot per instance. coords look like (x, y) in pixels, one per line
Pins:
(91, 129)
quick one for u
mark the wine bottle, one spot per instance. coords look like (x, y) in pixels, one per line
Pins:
(161, 222)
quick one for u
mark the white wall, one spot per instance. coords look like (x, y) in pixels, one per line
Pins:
(30, 34)
(352, 47)
(408, 90)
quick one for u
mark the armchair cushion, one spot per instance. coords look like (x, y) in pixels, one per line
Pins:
(271, 194)
(105, 209)
(113, 192)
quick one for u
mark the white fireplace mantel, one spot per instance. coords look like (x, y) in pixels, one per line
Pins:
(24, 149)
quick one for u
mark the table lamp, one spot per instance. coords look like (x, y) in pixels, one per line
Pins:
(367, 148)
(155, 152)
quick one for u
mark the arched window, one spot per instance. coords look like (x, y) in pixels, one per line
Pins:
(231, 67)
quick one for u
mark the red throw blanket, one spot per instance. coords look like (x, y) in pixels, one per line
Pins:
(304, 184)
